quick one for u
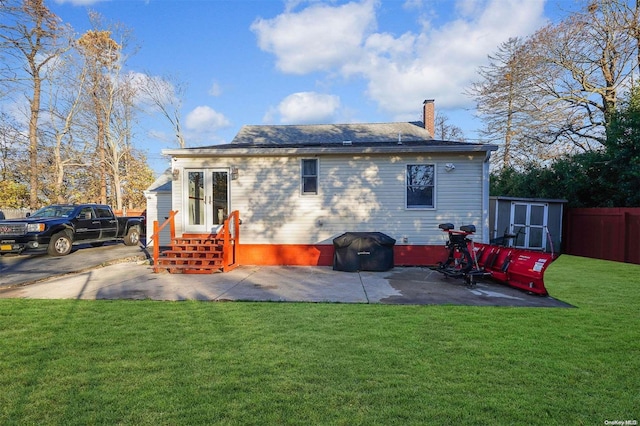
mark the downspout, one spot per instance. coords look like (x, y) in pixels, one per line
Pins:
(485, 198)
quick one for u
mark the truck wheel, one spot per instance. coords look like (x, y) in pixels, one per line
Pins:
(60, 244)
(133, 237)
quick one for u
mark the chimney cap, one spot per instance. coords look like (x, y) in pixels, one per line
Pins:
(428, 101)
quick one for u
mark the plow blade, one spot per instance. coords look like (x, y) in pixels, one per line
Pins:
(519, 268)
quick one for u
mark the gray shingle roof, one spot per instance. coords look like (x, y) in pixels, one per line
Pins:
(324, 134)
(331, 138)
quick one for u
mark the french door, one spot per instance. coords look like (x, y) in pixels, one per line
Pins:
(206, 199)
(529, 224)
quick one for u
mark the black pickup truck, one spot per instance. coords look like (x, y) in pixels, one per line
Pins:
(60, 226)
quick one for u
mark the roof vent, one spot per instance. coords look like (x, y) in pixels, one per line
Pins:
(347, 143)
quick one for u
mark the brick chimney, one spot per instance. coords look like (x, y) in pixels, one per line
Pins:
(429, 116)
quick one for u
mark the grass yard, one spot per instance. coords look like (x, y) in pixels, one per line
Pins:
(146, 362)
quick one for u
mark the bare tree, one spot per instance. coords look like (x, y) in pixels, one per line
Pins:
(503, 97)
(102, 55)
(165, 95)
(112, 95)
(129, 173)
(66, 150)
(13, 189)
(31, 35)
(12, 144)
(446, 131)
(118, 135)
(555, 92)
(580, 65)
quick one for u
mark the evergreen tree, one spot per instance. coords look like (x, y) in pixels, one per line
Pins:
(623, 152)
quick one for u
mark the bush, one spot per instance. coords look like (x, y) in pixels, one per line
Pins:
(13, 195)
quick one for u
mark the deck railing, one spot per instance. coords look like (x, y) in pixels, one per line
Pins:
(156, 235)
(230, 235)
(231, 240)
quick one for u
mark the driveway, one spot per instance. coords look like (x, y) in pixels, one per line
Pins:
(29, 268)
(401, 285)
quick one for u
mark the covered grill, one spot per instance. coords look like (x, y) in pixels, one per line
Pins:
(363, 251)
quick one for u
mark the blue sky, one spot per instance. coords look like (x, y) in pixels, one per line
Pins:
(300, 62)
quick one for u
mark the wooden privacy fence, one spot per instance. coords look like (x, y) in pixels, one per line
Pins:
(603, 233)
(11, 213)
(129, 212)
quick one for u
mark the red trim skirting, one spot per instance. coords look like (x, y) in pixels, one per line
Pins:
(286, 254)
(322, 254)
(406, 255)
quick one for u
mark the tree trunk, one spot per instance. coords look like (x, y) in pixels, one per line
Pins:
(100, 136)
(33, 141)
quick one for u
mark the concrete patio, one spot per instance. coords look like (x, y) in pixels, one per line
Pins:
(401, 285)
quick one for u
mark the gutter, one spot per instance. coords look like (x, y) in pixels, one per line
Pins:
(486, 238)
(389, 149)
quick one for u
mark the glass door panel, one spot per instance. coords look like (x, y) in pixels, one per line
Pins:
(206, 200)
(220, 194)
(196, 201)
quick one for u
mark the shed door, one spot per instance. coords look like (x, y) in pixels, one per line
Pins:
(206, 200)
(529, 224)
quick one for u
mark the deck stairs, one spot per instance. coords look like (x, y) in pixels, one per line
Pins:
(197, 254)
(193, 255)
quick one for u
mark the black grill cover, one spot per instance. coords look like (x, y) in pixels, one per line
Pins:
(363, 251)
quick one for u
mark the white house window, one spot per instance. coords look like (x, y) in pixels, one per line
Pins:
(310, 176)
(420, 186)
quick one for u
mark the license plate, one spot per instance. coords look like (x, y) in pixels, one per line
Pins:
(5, 247)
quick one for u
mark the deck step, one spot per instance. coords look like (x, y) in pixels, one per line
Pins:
(197, 241)
(192, 255)
(191, 269)
(187, 261)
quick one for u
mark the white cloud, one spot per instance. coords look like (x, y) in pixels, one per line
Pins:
(319, 37)
(438, 61)
(412, 4)
(204, 119)
(307, 108)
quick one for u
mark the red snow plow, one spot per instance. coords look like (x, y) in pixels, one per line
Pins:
(515, 267)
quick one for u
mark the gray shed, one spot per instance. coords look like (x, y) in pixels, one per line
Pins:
(533, 223)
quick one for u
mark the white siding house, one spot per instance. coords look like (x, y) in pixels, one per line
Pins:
(299, 187)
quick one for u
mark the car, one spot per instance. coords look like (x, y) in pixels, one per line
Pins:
(58, 227)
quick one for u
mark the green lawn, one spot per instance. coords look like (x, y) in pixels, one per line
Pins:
(147, 362)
